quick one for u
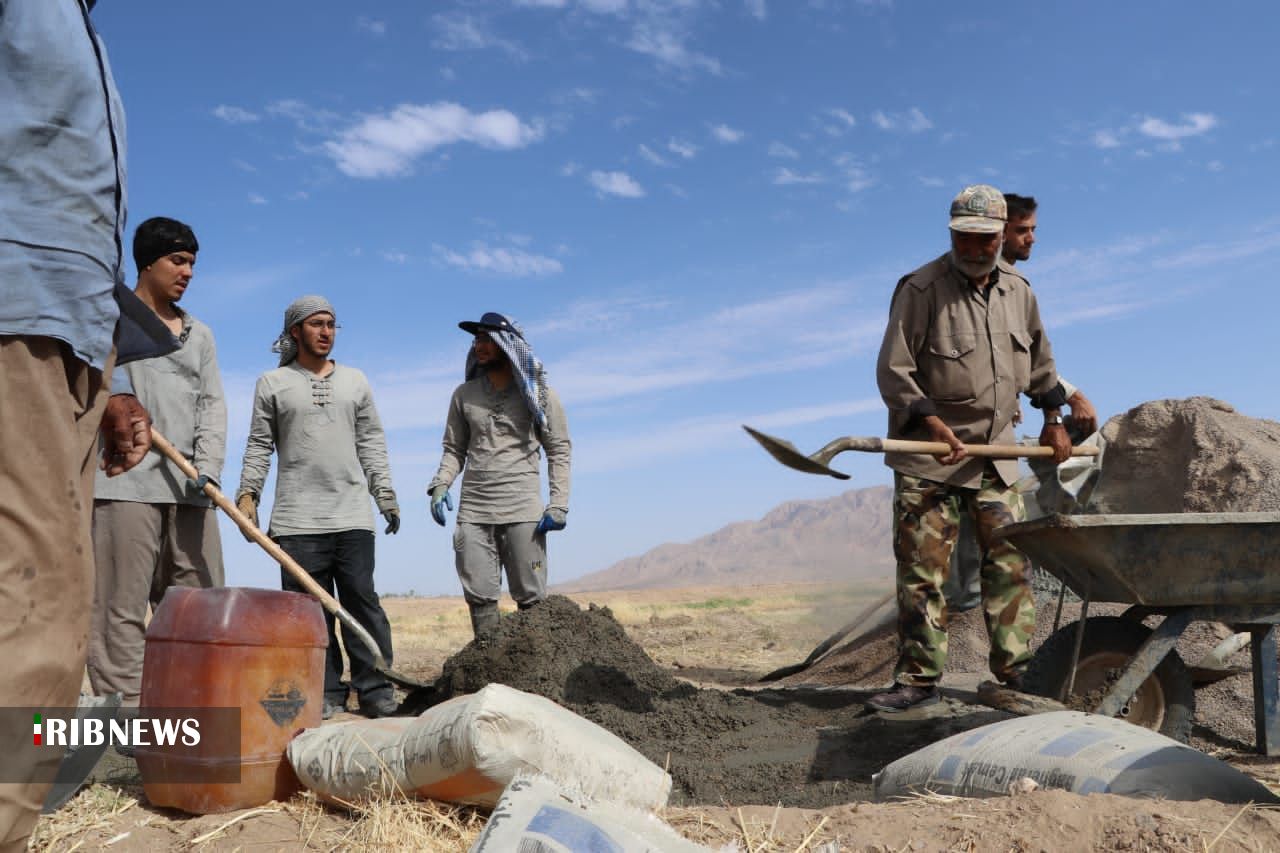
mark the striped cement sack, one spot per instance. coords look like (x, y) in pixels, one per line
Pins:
(1072, 750)
(537, 815)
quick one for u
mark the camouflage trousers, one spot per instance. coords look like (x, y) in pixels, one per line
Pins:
(926, 525)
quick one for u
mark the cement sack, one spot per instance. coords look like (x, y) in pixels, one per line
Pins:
(536, 814)
(352, 761)
(467, 750)
(1072, 750)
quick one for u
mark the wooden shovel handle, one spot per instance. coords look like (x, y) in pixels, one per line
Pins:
(162, 445)
(935, 448)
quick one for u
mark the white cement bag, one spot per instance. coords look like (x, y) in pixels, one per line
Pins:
(535, 815)
(467, 750)
(352, 761)
(1072, 750)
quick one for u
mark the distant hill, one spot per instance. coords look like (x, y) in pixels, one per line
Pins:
(840, 538)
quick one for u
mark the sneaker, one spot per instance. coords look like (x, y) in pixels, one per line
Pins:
(902, 697)
(379, 706)
(330, 708)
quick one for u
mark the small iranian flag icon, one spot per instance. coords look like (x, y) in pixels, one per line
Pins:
(37, 730)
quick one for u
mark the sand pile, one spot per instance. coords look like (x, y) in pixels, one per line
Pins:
(1192, 455)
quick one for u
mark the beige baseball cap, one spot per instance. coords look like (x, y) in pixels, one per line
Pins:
(979, 209)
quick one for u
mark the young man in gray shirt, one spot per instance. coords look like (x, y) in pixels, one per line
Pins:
(151, 527)
(499, 421)
(319, 417)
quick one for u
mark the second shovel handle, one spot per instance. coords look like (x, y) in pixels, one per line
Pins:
(991, 451)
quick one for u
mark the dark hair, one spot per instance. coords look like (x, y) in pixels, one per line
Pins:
(1019, 205)
(160, 236)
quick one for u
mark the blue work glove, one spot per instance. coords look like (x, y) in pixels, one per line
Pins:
(203, 480)
(439, 501)
(393, 520)
(552, 519)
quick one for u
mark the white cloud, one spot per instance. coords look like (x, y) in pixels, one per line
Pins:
(930, 181)
(687, 150)
(1106, 139)
(466, 32)
(616, 183)
(756, 9)
(1194, 124)
(370, 25)
(785, 177)
(912, 121)
(701, 435)
(917, 121)
(784, 152)
(727, 135)
(300, 195)
(303, 115)
(543, 4)
(504, 261)
(843, 116)
(244, 165)
(1215, 166)
(254, 198)
(677, 190)
(234, 115)
(652, 156)
(386, 145)
(568, 170)
(663, 35)
(394, 256)
(604, 7)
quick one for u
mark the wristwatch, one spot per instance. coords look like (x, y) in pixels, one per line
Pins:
(1053, 420)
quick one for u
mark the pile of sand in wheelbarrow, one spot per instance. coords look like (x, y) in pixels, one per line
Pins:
(762, 747)
(1192, 455)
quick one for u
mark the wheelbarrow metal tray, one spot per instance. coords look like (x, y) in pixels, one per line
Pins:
(1160, 560)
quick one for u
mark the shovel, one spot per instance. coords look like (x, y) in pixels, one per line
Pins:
(818, 463)
(164, 448)
(820, 651)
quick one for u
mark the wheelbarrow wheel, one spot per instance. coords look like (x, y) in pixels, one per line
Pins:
(1165, 702)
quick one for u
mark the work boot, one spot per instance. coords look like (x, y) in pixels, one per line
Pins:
(1013, 681)
(380, 705)
(902, 697)
(484, 621)
(331, 707)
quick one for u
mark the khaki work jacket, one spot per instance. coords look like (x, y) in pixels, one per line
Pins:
(951, 351)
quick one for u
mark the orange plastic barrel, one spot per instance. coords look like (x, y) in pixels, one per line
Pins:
(259, 650)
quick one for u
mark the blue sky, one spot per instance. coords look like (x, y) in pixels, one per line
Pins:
(698, 210)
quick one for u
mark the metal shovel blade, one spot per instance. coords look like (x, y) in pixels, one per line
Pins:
(787, 453)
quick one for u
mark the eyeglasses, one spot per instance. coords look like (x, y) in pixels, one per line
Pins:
(322, 324)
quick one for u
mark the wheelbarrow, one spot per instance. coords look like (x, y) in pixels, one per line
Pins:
(1184, 567)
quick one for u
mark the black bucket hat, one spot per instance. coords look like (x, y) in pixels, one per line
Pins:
(491, 321)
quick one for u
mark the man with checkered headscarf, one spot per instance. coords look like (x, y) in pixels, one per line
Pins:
(500, 422)
(319, 417)
(964, 339)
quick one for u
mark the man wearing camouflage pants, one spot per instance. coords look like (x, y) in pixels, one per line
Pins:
(964, 338)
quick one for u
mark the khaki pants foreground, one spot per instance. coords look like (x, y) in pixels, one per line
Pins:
(51, 404)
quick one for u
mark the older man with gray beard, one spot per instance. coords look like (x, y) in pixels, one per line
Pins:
(964, 339)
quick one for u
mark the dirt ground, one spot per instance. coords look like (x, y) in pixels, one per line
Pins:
(783, 767)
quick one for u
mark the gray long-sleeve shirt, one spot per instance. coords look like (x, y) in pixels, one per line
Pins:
(333, 452)
(183, 393)
(492, 434)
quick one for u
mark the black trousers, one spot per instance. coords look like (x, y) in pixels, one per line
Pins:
(342, 563)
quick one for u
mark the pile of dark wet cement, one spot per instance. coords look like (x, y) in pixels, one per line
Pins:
(764, 747)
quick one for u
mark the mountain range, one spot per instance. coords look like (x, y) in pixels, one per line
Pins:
(841, 538)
